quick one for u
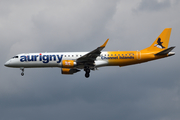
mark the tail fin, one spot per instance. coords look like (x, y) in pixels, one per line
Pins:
(161, 43)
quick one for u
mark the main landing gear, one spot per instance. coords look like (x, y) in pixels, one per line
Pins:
(87, 70)
(22, 69)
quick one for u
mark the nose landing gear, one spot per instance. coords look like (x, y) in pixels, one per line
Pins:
(22, 69)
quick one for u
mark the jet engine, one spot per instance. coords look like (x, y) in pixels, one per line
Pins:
(68, 63)
(69, 71)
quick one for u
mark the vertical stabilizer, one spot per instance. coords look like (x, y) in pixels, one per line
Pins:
(161, 42)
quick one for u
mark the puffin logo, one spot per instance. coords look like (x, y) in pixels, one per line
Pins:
(159, 44)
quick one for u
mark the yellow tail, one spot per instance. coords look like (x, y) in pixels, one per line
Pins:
(161, 43)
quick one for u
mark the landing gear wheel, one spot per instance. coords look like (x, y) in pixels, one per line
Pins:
(87, 75)
(22, 69)
(22, 74)
(87, 70)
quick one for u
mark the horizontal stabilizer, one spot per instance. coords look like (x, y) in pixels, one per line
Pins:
(166, 51)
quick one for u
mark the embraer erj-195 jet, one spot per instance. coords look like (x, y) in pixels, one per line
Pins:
(72, 62)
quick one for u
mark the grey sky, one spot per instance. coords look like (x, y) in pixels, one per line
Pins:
(146, 91)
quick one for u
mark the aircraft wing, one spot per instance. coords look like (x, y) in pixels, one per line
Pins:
(90, 57)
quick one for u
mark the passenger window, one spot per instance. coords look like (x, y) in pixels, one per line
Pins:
(68, 55)
(72, 55)
(115, 55)
(76, 55)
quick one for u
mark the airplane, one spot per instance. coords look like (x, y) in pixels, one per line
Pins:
(73, 62)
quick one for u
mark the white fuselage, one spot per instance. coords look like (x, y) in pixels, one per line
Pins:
(31, 60)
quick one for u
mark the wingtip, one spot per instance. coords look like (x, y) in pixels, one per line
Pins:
(105, 43)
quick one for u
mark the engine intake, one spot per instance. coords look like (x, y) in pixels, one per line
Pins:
(69, 71)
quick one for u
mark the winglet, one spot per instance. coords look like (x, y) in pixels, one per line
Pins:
(104, 43)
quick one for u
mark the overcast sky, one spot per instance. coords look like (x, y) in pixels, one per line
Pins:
(148, 91)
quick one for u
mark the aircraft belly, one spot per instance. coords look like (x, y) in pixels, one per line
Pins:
(37, 64)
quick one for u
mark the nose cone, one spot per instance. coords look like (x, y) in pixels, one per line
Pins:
(7, 63)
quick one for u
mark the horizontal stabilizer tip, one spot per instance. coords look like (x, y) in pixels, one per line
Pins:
(166, 51)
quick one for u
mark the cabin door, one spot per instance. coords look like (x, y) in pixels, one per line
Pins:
(138, 55)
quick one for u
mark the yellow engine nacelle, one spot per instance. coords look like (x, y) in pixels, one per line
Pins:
(69, 71)
(68, 63)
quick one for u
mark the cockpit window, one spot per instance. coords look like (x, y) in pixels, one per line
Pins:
(15, 57)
